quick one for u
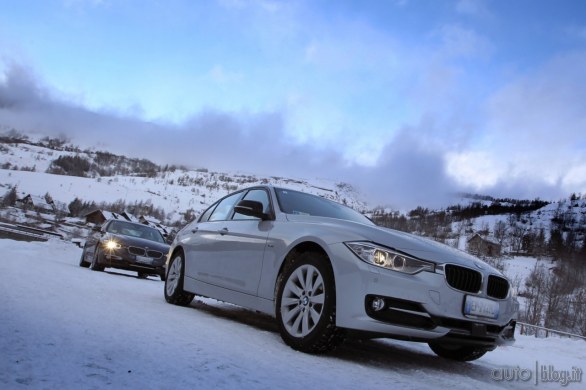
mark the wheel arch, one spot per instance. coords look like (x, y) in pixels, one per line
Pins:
(323, 335)
(299, 248)
(176, 250)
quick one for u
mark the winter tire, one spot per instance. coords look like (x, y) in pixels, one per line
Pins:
(82, 262)
(95, 265)
(174, 292)
(306, 304)
(457, 352)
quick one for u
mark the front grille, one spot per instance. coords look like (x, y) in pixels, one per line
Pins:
(142, 252)
(136, 251)
(463, 279)
(154, 254)
(497, 287)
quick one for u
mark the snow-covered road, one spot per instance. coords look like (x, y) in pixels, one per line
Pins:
(66, 327)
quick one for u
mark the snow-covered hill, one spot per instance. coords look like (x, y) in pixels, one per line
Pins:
(174, 189)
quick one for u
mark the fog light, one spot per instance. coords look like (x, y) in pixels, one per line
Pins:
(377, 304)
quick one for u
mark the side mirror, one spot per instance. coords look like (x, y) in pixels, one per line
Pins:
(97, 228)
(251, 208)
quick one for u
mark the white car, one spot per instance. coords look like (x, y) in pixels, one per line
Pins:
(326, 272)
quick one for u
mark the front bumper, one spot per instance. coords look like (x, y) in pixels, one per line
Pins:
(121, 259)
(420, 307)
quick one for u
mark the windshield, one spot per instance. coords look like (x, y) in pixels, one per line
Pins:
(135, 230)
(300, 203)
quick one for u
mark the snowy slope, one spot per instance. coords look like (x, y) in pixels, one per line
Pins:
(66, 327)
(174, 192)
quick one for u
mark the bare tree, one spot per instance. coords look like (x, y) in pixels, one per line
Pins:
(534, 292)
(500, 231)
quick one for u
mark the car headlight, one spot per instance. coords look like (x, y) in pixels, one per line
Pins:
(111, 245)
(388, 258)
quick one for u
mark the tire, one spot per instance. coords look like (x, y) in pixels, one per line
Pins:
(306, 304)
(95, 265)
(174, 292)
(459, 353)
(162, 276)
(142, 275)
(82, 262)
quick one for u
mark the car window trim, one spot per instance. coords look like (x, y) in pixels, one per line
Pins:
(231, 212)
(271, 212)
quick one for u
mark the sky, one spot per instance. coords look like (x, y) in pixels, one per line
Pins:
(410, 101)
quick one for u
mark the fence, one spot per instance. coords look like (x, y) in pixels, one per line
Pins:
(540, 331)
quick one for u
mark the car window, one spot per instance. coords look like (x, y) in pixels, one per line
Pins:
(206, 215)
(300, 203)
(258, 195)
(224, 209)
(135, 230)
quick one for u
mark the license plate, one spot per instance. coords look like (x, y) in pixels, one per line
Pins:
(144, 259)
(481, 307)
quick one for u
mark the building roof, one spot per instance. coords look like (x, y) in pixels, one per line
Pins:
(485, 239)
(37, 201)
(105, 213)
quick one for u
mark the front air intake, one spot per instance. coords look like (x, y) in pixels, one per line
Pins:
(463, 279)
(497, 287)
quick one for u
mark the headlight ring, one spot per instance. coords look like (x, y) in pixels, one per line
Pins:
(388, 258)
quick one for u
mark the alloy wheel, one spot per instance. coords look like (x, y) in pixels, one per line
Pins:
(174, 276)
(302, 301)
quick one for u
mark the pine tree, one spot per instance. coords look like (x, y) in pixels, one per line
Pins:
(10, 197)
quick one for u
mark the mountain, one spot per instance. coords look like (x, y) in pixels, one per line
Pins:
(65, 172)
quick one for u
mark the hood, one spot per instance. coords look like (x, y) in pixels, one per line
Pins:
(417, 246)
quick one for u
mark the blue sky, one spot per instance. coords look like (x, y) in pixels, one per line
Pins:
(409, 100)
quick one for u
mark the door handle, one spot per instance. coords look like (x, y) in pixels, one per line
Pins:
(194, 230)
(223, 231)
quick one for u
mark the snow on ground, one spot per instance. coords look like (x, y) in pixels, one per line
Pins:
(520, 267)
(66, 327)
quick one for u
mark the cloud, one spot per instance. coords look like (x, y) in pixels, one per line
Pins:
(222, 76)
(476, 8)
(530, 144)
(408, 173)
(20, 88)
(542, 112)
(459, 41)
(533, 135)
(411, 172)
(248, 141)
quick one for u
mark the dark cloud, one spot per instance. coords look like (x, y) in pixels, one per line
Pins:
(217, 140)
(410, 172)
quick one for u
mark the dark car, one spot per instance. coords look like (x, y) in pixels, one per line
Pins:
(126, 245)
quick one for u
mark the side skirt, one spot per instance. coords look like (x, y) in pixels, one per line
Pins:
(226, 295)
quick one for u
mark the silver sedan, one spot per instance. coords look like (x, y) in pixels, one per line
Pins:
(326, 272)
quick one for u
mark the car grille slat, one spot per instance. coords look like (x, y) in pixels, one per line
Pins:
(136, 251)
(497, 287)
(154, 254)
(463, 279)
